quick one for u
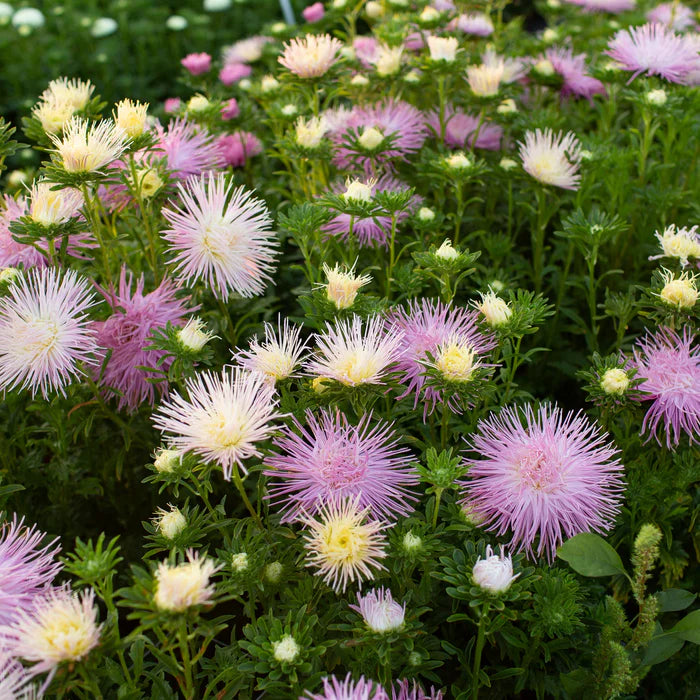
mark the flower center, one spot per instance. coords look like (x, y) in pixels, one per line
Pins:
(341, 465)
(537, 471)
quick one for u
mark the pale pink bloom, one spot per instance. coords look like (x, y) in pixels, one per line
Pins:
(246, 50)
(233, 72)
(675, 15)
(238, 147)
(476, 23)
(197, 63)
(222, 236)
(552, 158)
(313, 13)
(461, 129)
(380, 612)
(172, 105)
(655, 50)
(347, 689)
(366, 50)
(230, 109)
(572, 68)
(224, 418)
(310, 56)
(45, 331)
(12, 252)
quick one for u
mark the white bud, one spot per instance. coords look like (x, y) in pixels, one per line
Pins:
(192, 337)
(508, 164)
(358, 191)
(458, 161)
(446, 251)
(494, 573)
(273, 572)
(371, 138)
(166, 461)
(615, 381)
(426, 214)
(286, 649)
(239, 562)
(544, 68)
(170, 523)
(657, 98)
(359, 80)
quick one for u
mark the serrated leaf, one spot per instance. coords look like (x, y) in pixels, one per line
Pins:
(590, 555)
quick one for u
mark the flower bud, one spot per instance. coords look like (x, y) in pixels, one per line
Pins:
(374, 9)
(680, 292)
(286, 649)
(192, 337)
(443, 48)
(494, 573)
(544, 68)
(239, 562)
(310, 133)
(198, 103)
(371, 138)
(508, 164)
(446, 251)
(425, 214)
(268, 84)
(458, 161)
(507, 107)
(615, 381)
(170, 523)
(657, 98)
(343, 285)
(166, 461)
(358, 191)
(495, 310)
(359, 80)
(273, 572)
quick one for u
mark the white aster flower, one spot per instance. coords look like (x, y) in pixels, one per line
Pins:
(310, 133)
(170, 523)
(185, 585)
(381, 613)
(615, 381)
(443, 48)
(192, 336)
(50, 207)
(224, 418)
(343, 285)
(681, 243)
(494, 309)
(131, 117)
(494, 573)
(387, 60)
(552, 158)
(285, 650)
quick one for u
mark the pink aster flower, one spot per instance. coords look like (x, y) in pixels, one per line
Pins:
(327, 456)
(425, 326)
(611, 6)
(222, 236)
(15, 680)
(188, 149)
(45, 331)
(461, 128)
(379, 610)
(355, 353)
(230, 109)
(13, 253)
(405, 690)
(334, 689)
(26, 567)
(675, 15)
(475, 23)
(654, 50)
(397, 121)
(224, 419)
(552, 158)
(366, 50)
(372, 230)
(573, 70)
(233, 72)
(238, 147)
(669, 366)
(172, 104)
(197, 63)
(313, 13)
(125, 334)
(543, 474)
(246, 50)
(310, 56)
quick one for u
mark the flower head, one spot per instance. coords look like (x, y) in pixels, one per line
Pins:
(74, 92)
(196, 63)
(669, 366)
(310, 56)
(15, 680)
(237, 148)
(343, 285)
(572, 68)
(192, 336)
(425, 326)
(353, 353)
(278, 356)
(221, 235)
(170, 523)
(60, 626)
(224, 419)
(615, 381)
(50, 207)
(461, 129)
(380, 611)
(188, 149)
(334, 689)
(494, 573)
(552, 158)
(443, 48)
(246, 50)
(125, 335)
(495, 310)
(343, 544)
(328, 457)
(674, 15)
(131, 117)
(475, 23)
(45, 331)
(26, 567)
(681, 243)
(654, 50)
(543, 473)
(285, 650)
(185, 585)
(612, 6)
(309, 133)
(680, 292)
(85, 148)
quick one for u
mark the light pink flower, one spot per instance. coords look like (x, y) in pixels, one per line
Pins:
(197, 63)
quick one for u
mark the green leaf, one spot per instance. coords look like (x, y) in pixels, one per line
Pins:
(591, 555)
(688, 628)
(660, 649)
(675, 599)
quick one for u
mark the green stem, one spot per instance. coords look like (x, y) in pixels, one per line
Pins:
(438, 497)
(186, 663)
(392, 254)
(241, 489)
(537, 236)
(476, 667)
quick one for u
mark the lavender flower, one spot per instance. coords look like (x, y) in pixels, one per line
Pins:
(543, 474)
(333, 689)
(126, 335)
(188, 149)
(461, 129)
(329, 457)
(669, 366)
(379, 610)
(404, 690)
(572, 68)
(674, 15)
(26, 567)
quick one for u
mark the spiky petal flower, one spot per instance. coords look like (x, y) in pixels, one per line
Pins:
(494, 573)
(310, 56)
(225, 418)
(327, 457)
(425, 326)
(380, 611)
(86, 148)
(45, 331)
(475, 23)
(543, 474)
(674, 15)
(188, 149)
(669, 366)
(222, 236)
(246, 50)
(552, 158)
(182, 586)
(279, 354)
(461, 129)
(681, 243)
(343, 285)
(334, 689)
(654, 50)
(52, 207)
(344, 544)
(405, 690)
(12, 252)
(26, 567)
(61, 626)
(125, 335)
(353, 354)
(15, 680)
(572, 68)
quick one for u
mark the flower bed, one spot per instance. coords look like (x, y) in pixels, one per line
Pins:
(367, 371)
